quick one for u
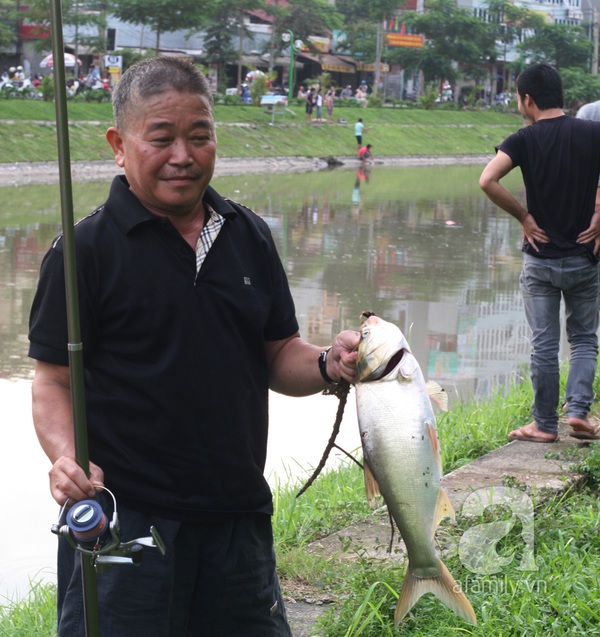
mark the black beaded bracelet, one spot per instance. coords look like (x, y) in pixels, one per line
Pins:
(323, 367)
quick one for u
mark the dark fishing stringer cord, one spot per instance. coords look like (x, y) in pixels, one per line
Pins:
(341, 391)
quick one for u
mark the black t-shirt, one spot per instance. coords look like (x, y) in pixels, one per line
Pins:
(175, 369)
(560, 163)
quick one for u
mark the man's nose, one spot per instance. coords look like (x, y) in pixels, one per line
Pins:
(180, 152)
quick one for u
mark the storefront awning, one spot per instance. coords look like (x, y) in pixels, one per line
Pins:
(329, 62)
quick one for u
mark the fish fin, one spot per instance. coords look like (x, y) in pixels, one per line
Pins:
(371, 487)
(443, 509)
(443, 587)
(408, 365)
(435, 441)
(437, 394)
(435, 444)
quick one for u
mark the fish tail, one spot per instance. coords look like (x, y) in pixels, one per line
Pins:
(443, 587)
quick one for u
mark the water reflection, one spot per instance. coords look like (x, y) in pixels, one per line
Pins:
(421, 247)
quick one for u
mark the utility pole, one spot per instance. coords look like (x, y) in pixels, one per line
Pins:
(240, 50)
(595, 41)
(378, 58)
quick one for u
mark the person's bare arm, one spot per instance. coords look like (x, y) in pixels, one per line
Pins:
(293, 363)
(593, 232)
(53, 422)
(489, 182)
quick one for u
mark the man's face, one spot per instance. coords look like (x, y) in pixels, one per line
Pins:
(168, 149)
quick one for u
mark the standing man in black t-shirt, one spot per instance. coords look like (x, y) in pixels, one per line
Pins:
(187, 321)
(559, 157)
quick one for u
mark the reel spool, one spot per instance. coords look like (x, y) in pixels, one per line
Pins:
(87, 529)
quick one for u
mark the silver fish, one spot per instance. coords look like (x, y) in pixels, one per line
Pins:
(402, 456)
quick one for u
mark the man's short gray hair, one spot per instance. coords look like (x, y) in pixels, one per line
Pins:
(154, 76)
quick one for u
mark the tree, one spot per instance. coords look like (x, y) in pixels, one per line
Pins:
(511, 24)
(456, 43)
(90, 16)
(162, 15)
(8, 25)
(309, 17)
(225, 26)
(561, 45)
(579, 87)
(219, 49)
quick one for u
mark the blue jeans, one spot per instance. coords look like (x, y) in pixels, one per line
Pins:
(217, 579)
(543, 283)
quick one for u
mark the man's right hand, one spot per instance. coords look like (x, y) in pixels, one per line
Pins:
(68, 481)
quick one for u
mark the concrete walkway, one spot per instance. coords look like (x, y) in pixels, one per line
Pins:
(540, 469)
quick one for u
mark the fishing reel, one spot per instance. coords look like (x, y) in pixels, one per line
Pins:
(87, 529)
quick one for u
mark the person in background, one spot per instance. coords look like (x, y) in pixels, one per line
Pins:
(346, 93)
(589, 111)
(361, 94)
(560, 163)
(329, 103)
(364, 154)
(359, 129)
(187, 321)
(319, 105)
(92, 77)
(310, 101)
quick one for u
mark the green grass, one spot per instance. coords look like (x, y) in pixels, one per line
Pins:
(558, 599)
(34, 616)
(28, 132)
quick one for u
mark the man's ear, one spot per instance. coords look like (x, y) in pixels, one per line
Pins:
(115, 139)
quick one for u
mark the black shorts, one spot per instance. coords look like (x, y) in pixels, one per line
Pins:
(217, 579)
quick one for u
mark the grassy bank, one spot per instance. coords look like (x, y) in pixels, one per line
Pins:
(556, 600)
(28, 132)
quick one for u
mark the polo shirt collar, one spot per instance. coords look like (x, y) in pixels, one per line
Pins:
(128, 212)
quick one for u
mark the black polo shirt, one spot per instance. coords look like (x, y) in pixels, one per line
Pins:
(175, 370)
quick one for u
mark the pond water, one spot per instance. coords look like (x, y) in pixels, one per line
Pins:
(420, 247)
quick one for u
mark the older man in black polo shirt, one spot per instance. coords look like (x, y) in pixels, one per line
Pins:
(187, 321)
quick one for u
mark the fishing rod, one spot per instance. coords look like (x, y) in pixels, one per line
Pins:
(85, 525)
(75, 347)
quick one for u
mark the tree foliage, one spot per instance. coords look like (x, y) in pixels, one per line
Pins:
(579, 87)
(225, 27)
(309, 17)
(456, 43)
(89, 17)
(8, 25)
(163, 15)
(561, 45)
